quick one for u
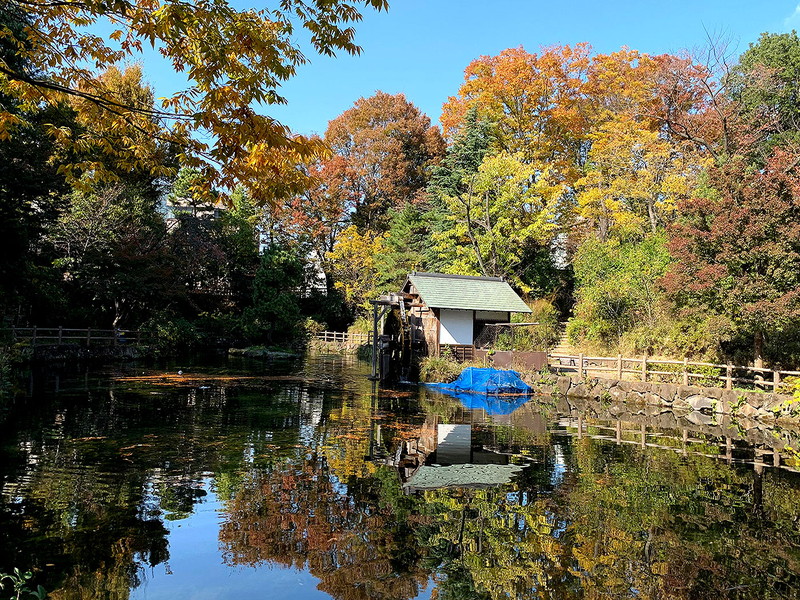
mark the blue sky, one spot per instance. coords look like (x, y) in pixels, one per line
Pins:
(421, 47)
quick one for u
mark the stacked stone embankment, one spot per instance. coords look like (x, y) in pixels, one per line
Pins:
(763, 406)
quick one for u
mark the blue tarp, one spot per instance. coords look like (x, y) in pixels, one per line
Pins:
(486, 381)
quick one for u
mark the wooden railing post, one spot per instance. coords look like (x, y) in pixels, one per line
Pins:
(33, 340)
(60, 333)
(685, 371)
(644, 367)
(580, 365)
(619, 366)
(776, 380)
(88, 336)
(728, 376)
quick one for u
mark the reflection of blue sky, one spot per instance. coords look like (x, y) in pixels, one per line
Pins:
(559, 466)
(559, 525)
(195, 569)
(338, 486)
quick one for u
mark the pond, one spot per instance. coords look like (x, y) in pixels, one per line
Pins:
(222, 478)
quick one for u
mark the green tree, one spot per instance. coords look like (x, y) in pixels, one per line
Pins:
(505, 206)
(186, 193)
(275, 312)
(450, 178)
(31, 195)
(404, 247)
(616, 287)
(240, 237)
(766, 84)
(113, 256)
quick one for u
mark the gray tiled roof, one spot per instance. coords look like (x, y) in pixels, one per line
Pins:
(467, 293)
(461, 476)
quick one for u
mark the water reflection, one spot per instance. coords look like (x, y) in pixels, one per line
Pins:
(310, 482)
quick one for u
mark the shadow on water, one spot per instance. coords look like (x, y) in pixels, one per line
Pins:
(302, 478)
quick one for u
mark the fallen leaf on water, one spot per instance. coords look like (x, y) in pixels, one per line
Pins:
(136, 446)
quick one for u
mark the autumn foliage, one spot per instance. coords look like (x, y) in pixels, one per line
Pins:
(737, 248)
(234, 60)
(559, 170)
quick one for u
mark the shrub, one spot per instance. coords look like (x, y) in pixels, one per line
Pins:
(168, 332)
(439, 369)
(361, 325)
(617, 287)
(534, 337)
(219, 327)
(312, 327)
(275, 314)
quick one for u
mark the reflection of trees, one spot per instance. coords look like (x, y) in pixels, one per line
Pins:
(493, 544)
(93, 482)
(348, 436)
(622, 523)
(357, 539)
(366, 423)
(89, 525)
(589, 519)
(656, 525)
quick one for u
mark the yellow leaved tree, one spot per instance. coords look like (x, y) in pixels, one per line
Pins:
(634, 178)
(234, 60)
(506, 206)
(354, 270)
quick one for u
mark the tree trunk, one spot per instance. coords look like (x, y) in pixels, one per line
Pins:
(651, 214)
(758, 347)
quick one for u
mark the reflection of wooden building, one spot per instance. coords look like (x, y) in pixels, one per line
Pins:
(450, 311)
(453, 462)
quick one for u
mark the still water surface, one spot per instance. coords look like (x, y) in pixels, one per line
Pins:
(242, 479)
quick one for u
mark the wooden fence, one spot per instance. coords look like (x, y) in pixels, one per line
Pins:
(661, 370)
(344, 338)
(64, 335)
(715, 446)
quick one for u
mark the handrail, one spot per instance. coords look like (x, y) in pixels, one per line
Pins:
(343, 337)
(59, 335)
(640, 367)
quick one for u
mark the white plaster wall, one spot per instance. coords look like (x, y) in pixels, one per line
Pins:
(456, 327)
(454, 444)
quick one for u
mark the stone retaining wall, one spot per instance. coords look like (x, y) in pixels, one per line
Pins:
(762, 406)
